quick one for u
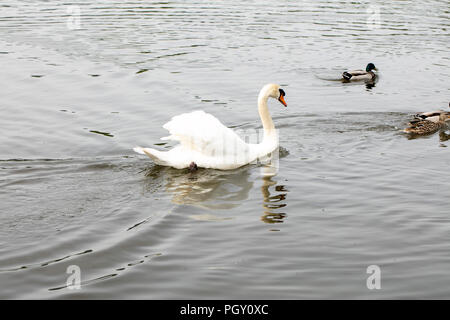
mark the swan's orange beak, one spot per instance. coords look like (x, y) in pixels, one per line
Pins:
(281, 99)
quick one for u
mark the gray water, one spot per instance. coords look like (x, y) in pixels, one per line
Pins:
(351, 190)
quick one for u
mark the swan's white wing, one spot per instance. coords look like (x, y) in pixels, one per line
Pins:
(201, 132)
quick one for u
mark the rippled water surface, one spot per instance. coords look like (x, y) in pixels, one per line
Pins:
(351, 190)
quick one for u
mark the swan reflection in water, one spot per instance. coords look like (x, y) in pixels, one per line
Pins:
(218, 190)
(273, 202)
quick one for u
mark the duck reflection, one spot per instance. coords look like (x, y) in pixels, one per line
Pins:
(443, 136)
(368, 84)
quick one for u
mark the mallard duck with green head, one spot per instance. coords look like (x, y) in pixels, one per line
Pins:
(357, 75)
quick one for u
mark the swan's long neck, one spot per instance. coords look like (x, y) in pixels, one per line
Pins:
(266, 119)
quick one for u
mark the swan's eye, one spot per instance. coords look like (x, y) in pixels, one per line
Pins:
(282, 93)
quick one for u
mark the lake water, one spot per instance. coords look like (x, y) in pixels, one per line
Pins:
(79, 92)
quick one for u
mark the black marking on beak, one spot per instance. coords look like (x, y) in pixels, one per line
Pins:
(281, 98)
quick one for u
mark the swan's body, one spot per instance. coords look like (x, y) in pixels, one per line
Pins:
(358, 75)
(428, 122)
(207, 143)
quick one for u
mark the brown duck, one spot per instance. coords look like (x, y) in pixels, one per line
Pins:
(428, 122)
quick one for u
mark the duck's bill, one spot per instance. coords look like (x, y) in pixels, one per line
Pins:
(281, 99)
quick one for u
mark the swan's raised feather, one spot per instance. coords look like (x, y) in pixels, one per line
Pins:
(202, 132)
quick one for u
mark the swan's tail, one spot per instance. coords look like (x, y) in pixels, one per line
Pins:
(153, 154)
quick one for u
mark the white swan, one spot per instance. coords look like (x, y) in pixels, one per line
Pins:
(205, 142)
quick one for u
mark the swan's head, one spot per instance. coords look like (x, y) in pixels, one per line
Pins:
(274, 91)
